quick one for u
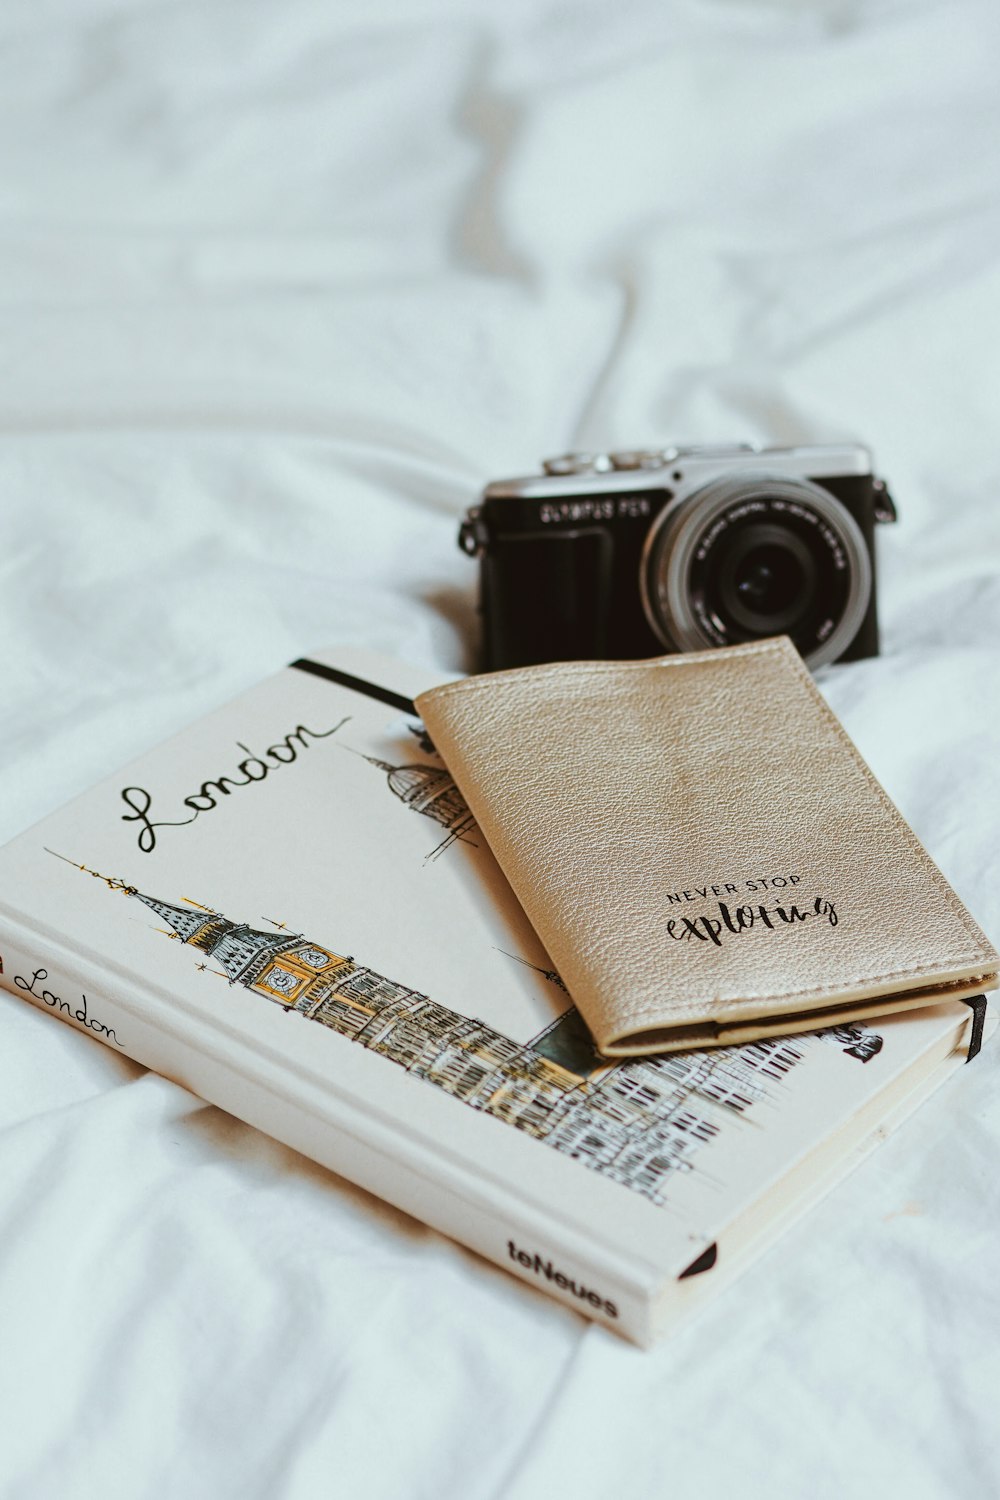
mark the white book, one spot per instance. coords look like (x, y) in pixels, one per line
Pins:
(288, 909)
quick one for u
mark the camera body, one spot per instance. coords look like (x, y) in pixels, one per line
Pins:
(636, 553)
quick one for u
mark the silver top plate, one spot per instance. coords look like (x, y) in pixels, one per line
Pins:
(666, 468)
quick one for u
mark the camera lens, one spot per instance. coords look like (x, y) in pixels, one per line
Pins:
(745, 557)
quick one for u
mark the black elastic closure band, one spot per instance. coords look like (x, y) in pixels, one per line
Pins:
(978, 1007)
(706, 1260)
(356, 684)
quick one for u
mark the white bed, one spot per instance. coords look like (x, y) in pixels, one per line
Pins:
(281, 286)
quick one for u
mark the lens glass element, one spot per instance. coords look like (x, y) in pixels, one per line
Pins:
(769, 580)
(764, 579)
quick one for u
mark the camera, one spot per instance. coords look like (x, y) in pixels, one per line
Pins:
(634, 553)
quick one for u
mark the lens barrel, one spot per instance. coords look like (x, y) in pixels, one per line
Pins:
(749, 556)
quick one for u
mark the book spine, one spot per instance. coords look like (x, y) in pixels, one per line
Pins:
(372, 1157)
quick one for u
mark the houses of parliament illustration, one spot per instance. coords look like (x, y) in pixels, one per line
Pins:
(636, 1121)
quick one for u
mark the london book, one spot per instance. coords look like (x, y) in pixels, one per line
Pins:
(288, 909)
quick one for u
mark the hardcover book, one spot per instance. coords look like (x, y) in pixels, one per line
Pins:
(289, 909)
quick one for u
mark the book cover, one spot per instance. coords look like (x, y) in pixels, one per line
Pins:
(288, 909)
(739, 872)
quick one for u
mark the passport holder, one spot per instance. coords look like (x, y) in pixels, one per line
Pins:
(702, 849)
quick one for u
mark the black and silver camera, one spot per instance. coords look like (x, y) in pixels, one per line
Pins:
(677, 549)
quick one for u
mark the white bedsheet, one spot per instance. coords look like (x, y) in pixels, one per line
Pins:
(280, 286)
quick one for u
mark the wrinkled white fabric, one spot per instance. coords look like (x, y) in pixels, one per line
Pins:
(280, 287)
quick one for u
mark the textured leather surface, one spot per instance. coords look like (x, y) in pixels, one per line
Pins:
(701, 847)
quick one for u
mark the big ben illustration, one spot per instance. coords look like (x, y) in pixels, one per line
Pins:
(636, 1121)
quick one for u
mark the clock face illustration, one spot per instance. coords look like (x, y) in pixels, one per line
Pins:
(283, 981)
(314, 957)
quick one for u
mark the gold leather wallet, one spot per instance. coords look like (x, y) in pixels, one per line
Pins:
(701, 848)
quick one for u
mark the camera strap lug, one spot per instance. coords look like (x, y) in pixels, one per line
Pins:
(472, 537)
(884, 505)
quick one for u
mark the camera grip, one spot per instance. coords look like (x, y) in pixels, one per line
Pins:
(546, 598)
